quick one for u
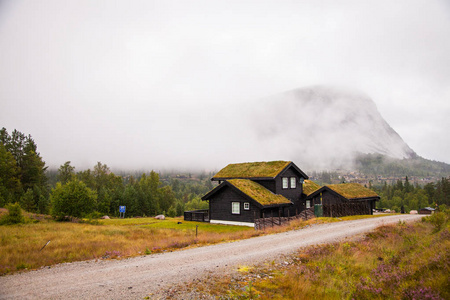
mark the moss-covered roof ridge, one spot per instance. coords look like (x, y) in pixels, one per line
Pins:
(253, 170)
(310, 187)
(258, 193)
(352, 190)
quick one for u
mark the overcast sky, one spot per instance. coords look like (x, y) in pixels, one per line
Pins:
(161, 84)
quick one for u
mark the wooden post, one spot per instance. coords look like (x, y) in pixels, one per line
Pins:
(196, 231)
(264, 222)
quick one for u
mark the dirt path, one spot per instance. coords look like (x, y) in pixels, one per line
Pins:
(136, 278)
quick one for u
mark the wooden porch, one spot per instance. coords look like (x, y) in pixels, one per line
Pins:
(197, 215)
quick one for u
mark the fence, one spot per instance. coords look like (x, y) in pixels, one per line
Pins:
(262, 223)
(346, 209)
(197, 215)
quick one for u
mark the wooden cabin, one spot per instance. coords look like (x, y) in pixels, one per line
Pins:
(426, 211)
(344, 199)
(252, 190)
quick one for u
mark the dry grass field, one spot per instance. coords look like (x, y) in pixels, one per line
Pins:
(22, 245)
(402, 261)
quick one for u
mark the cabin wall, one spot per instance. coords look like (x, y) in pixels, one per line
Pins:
(220, 207)
(292, 194)
(327, 199)
(331, 199)
(268, 184)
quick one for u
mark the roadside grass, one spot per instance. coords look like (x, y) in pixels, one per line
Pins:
(22, 246)
(402, 261)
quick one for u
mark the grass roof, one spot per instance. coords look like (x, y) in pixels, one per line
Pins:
(352, 190)
(257, 192)
(310, 187)
(253, 170)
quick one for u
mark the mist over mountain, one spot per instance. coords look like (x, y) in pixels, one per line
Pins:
(323, 127)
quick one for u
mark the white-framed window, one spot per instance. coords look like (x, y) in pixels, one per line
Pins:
(246, 206)
(285, 182)
(293, 183)
(308, 203)
(235, 208)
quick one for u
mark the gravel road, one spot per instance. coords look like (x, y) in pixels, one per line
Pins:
(136, 278)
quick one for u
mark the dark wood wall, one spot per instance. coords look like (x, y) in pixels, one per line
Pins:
(268, 184)
(220, 206)
(329, 198)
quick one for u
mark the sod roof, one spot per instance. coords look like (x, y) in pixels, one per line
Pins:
(352, 190)
(257, 192)
(310, 187)
(252, 170)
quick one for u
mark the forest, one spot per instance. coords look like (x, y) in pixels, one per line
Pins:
(413, 197)
(24, 179)
(95, 192)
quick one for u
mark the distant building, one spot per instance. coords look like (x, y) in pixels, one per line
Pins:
(426, 211)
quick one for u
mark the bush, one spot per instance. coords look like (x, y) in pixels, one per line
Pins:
(95, 215)
(73, 199)
(14, 215)
(172, 212)
(438, 219)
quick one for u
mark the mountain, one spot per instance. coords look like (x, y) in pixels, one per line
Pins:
(378, 164)
(325, 127)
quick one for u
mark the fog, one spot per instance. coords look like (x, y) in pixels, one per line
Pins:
(177, 84)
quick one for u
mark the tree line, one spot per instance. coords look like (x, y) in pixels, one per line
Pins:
(24, 179)
(413, 197)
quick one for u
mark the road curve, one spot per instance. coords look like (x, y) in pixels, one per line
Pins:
(138, 277)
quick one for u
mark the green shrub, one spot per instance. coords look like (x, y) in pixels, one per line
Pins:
(73, 199)
(437, 219)
(172, 212)
(14, 215)
(94, 215)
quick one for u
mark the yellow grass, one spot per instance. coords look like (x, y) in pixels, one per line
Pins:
(21, 245)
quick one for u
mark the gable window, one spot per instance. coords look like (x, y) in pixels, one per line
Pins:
(235, 208)
(246, 206)
(285, 182)
(293, 183)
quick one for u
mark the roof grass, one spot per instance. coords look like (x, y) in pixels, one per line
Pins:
(310, 187)
(258, 193)
(253, 170)
(352, 190)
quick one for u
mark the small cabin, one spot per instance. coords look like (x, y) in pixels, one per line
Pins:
(344, 199)
(426, 211)
(253, 190)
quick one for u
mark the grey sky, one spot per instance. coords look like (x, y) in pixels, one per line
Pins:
(161, 84)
